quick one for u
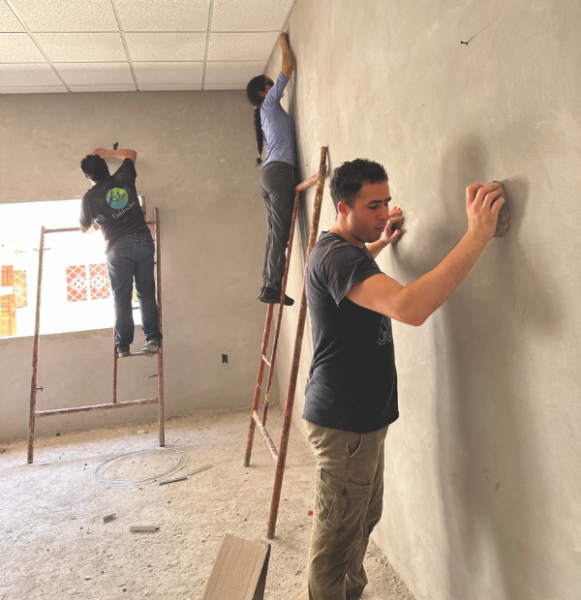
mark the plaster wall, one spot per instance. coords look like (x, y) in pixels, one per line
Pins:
(482, 468)
(195, 163)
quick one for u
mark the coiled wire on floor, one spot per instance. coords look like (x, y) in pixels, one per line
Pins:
(101, 477)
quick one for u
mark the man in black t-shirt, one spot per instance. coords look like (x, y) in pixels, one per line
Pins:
(113, 206)
(351, 395)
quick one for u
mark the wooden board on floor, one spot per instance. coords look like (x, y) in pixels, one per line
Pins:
(239, 572)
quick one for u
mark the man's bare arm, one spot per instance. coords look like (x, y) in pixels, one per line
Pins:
(121, 153)
(415, 302)
(94, 227)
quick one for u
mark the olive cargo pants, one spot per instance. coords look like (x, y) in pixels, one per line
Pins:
(349, 502)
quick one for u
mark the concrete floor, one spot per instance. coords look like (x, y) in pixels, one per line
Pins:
(55, 545)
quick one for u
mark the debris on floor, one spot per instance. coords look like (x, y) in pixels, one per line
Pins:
(44, 505)
(143, 528)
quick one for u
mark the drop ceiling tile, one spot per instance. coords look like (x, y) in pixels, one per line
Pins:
(250, 15)
(95, 73)
(241, 46)
(82, 47)
(103, 88)
(18, 47)
(164, 15)
(52, 89)
(147, 47)
(233, 72)
(168, 72)
(225, 86)
(170, 87)
(30, 74)
(67, 15)
(8, 20)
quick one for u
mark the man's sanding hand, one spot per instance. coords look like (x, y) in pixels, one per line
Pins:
(483, 204)
(122, 153)
(392, 229)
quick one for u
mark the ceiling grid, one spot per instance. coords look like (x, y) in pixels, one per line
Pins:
(125, 46)
(208, 38)
(34, 73)
(136, 45)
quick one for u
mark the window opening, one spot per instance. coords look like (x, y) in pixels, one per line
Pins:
(76, 291)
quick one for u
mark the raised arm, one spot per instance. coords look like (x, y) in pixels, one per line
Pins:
(121, 153)
(415, 302)
(287, 59)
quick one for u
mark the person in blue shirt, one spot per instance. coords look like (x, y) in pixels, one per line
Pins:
(278, 177)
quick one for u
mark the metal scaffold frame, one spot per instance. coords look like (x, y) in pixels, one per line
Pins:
(113, 404)
(279, 456)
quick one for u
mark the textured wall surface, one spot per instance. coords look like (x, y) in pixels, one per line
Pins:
(195, 163)
(482, 469)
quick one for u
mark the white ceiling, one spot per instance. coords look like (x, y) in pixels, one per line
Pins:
(129, 45)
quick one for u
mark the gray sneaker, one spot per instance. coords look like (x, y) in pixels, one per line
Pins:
(151, 346)
(123, 351)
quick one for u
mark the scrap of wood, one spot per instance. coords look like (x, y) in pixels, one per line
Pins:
(143, 528)
(164, 481)
(200, 469)
(184, 477)
(240, 569)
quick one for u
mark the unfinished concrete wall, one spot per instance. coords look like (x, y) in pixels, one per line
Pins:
(196, 164)
(482, 469)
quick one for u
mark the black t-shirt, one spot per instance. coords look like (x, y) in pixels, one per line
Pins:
(352, 382)
(114, 204)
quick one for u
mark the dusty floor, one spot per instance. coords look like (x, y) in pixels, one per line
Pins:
(55, 546)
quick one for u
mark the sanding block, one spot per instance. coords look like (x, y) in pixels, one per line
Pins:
(503, 224)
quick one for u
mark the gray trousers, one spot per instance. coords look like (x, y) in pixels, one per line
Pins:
(348, 505)
(277, 186)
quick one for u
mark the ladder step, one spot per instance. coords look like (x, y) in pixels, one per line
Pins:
(267, 439)
(76, 409)
(140, 354)
(265, 360)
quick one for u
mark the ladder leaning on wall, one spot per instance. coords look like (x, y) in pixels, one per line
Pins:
(279, 455)
(154, 225)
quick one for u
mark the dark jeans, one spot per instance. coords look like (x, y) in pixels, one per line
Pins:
(277, 186)
(129, 258)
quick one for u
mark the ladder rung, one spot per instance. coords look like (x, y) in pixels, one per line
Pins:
(109, 405)
(307, 183)
(267, 439)
(139, 354)
(266, 360)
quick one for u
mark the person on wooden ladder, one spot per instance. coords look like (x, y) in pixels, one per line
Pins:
(278, 177)
(113, 206)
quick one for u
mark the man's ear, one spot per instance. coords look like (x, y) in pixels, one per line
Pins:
(343, 209)
(262, 94)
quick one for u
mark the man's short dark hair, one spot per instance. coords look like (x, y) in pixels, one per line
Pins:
(95, 167)
(348, 179)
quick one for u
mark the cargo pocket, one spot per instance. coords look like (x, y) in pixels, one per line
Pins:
(339, 500)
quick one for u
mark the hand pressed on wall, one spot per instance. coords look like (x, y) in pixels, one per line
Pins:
(391, 233)
(483, 203)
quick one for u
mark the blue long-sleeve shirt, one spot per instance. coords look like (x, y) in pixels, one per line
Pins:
(278, 127)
